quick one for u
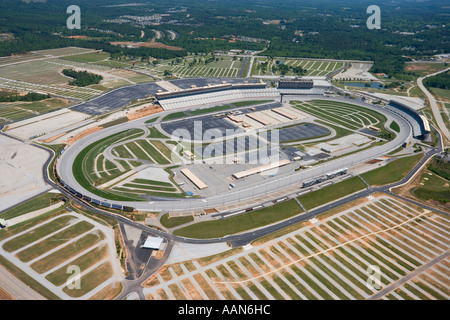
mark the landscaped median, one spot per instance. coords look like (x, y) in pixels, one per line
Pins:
(394, 171)
(172, 222)
(328, 194)
(241, 222)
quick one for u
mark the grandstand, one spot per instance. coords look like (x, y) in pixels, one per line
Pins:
(215, 94)
(318, 87)
(419, 124)
(295, 83)
(226, 92)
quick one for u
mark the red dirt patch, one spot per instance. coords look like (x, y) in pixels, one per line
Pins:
(54, 137)
(415, 67)
(146, 45)
(83, 134)
(146, 111)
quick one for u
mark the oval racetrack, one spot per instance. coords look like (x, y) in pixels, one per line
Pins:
(233, 196)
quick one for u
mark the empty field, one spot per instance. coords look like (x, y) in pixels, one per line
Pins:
(14, 111)
(329, 259)
(44, 74)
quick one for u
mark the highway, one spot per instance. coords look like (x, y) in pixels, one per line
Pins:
(233, 196)
(433, 104)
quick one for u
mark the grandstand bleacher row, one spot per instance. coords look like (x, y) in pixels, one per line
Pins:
(227, 95)
(419, 124)
(312, 91)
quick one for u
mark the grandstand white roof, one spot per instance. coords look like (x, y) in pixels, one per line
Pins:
(218, 97)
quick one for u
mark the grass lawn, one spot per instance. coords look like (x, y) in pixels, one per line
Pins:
(433, 187)
(392, 172)
(37, 233)
(174, 221)
(208, 110)
(155, 133)
(89, 57)
(174, 115)
(56, 258)
(153, 152)
(40, 202)
(242, 222)
(57, 239)
(91, 280)
(394, 126)
(163, 149)
(115, 122)
(422, 68)
(331, 193)
(81, 162)
(151, 120)
(340, 132)
(249, 103)
(441, 94)
(152, 182)
(27, 279)
(59, 276)
(13, 111)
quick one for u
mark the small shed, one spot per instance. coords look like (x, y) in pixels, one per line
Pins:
(154, 243)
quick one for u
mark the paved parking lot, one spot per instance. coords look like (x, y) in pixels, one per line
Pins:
(121, 97)
(198, 126)
(202, 82)
(301, 131)
(117, 99)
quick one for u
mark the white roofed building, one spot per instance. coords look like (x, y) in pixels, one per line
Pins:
(154, 243)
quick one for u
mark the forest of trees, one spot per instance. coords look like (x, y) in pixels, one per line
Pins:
(32, 96)
(82, 78)
(441, 80)
(306, 29)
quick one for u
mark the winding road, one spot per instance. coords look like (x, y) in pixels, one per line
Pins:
(433, 104)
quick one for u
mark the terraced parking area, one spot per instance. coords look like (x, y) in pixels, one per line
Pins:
(49, 250)
(347, 115)
(222, 67)
(327, 258)
(316, 68)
